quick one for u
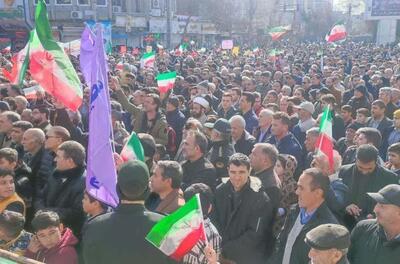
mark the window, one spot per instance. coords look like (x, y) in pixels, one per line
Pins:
(101, 2)
(121, 3)
(63, 2)
(83, 2)
(46, 1)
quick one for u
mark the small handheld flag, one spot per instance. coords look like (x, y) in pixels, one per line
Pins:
(176, 234)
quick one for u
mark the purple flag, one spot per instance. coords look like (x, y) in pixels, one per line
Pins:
(86, 55)
(101, 175)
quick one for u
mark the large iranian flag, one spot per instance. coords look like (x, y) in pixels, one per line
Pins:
(166, 81)
(324, 143)
(338, 32)
(148, 59)
(50, 66)
(277, 33)
(178, 233)
(133, 149)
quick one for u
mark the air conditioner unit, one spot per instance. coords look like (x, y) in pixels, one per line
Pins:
(76, 14)
(116, 9)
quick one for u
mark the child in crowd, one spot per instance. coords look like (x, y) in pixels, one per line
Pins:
(9, 199)
(52, 243)
(13, 237)
(362, 116)
(198, 252)
(393, 163)
(92, 207)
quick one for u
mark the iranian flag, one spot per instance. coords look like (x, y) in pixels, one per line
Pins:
(119, 66)
(166, 81)
(20, 63)
(31, 92)
(324, 143)
(133, 149)
(277, 33)
(50, 66)
(176, 234)
(338, 32)
(181, 49)
(148, 59)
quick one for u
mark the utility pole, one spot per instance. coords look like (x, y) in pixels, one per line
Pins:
(350, 20)
(168, 9)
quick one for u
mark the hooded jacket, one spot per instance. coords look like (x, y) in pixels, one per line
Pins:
(63, 253)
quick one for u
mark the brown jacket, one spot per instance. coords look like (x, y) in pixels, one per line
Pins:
(171, 203)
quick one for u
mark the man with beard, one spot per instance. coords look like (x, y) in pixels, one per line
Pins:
(40, 116)
(222, 147)
(365, 175)
(199, 108)
(148, 119)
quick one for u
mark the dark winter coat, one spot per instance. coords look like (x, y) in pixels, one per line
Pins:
(63, 194)
(369, 245)
(244, 220)
(299, 254)
(199, 171)
(119, 237)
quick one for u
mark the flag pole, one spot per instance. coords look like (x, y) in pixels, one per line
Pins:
(202, 218)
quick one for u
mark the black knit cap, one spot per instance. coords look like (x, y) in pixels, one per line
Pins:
(133, 181)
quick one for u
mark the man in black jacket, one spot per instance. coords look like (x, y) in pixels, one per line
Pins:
(196, 168)
(37, 158)
(242, 140)
(263, 158)
(310, 212)
(226, 110)
(377, 240)
(63, 192)
(365, 175)
(243, 214)
(119, 236)
(378, 118)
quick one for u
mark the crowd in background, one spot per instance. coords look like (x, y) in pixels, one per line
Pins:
(240, 131)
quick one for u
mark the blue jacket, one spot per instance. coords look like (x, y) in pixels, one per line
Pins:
(176, 119)
(251, 121)
(289, 145)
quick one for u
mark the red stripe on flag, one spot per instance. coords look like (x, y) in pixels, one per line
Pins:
(337, 36)
(43, 69)
(325, 145)
(188, 243)
(8, 75)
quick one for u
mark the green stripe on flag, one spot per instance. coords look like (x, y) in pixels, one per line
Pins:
(160, 230)
(166, 76)
(45, 35)
(326, 117)
(148, 55)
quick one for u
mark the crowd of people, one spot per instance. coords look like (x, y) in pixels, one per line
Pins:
(240, 131)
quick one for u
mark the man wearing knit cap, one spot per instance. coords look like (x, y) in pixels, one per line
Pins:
(200, 105)
(329, 244)
(222, 147)
(119, 236)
